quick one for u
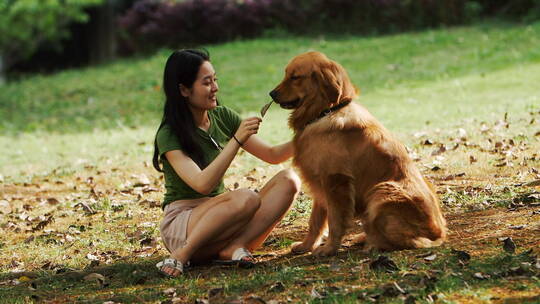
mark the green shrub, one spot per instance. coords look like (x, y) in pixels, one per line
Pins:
(27, 24)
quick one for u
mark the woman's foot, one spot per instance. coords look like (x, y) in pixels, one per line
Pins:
(240, 256)
(170, 267)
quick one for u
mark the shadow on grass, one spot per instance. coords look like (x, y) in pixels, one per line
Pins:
(347, 277)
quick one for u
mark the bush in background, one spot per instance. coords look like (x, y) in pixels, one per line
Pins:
(27, 24)
(153, 23)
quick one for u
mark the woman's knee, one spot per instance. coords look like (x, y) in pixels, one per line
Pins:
(246, 201)
(290, 180)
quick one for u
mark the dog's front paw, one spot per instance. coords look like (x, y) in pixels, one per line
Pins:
(325, 250)
(300, 247)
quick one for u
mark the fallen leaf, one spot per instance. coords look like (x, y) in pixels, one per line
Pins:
(453, 176)
(24, 279)
(43, 223)
(425, 254)
(52, 201)
(317, 295)
(431, 257)
(29, 239)
(170, 292)
(99, 278)
(116, 207)
(419, 134)
(366, 297)
(142, 180)
(509, 245)
(150, 203)
(148, 189)
(501, 164)
(93, 264)
(462, 255)
(472, 159)
(277, 287)
(399, 288)
(5, 207)
(440, 150)
(462, 134)
(215, 292)
(92, 257)
(90, 180)
(383, 263)
(481, 276)
(48, 265)
(392, 290)
(533, 183)
(253, 299)
(148, 241)
(87, 209)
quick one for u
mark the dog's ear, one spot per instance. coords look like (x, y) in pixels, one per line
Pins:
(335, 82)
(328, 79)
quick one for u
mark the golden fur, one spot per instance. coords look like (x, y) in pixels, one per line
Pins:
(353, 166)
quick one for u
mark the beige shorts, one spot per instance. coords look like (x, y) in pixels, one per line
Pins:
(174, 225)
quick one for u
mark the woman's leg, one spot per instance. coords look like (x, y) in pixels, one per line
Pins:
(276, 198)
(215, 222)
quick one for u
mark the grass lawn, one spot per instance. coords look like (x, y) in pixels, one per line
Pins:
(78, 194)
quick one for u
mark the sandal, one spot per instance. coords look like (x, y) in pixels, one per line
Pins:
(239, 259)
(171, 263)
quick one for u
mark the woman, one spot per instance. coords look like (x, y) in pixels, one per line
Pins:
(196, 143)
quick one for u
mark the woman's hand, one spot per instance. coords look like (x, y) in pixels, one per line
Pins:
(248, 127)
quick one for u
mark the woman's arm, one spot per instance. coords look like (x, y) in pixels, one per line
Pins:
(270, 154)
(204, 181)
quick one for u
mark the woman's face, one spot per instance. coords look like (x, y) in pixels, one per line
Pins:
(202, 95)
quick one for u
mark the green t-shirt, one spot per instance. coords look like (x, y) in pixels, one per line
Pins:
(223, 124)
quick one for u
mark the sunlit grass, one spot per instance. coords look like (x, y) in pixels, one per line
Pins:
(128, 92)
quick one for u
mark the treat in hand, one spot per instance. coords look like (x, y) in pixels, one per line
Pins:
(265, 108)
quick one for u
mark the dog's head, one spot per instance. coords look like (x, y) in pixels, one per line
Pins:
(312, 84)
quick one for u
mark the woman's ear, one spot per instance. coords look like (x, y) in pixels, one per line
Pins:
(185, 91)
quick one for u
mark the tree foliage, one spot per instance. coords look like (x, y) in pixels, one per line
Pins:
(151, 24)
(27, 24)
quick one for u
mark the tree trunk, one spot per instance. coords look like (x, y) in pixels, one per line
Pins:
(2, 70)
(101, 36)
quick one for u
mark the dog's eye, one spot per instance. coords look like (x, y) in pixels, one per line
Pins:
(295, 77)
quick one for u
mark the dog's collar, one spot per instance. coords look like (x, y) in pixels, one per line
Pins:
(328, 111)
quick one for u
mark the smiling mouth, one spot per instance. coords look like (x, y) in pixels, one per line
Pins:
(290, 104)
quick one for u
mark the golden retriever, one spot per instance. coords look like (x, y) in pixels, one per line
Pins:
(353, 166)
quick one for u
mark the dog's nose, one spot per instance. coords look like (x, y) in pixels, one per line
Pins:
(274, 95)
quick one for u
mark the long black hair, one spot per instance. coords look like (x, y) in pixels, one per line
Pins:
(181, 68)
